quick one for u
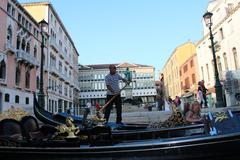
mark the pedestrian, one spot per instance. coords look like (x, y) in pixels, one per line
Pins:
(113, 89)
(177, 101)
(89, 106)
(200, 98)
(159, 98)
(204, 91)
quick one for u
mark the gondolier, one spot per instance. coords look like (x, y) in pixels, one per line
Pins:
(113, 89)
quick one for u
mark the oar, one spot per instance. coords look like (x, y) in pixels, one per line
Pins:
(109, 101)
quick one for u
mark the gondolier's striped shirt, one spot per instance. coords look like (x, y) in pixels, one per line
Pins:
(113, 81)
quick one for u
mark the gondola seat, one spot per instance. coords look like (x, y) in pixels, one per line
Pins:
(32, 131)
(10, 129)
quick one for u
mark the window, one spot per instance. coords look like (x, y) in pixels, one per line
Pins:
(187, 83)
(16, 99)
(185, 68)
(28, 48)
(27, 100)
(202, 72)
(235, 57)
(208, 75)
(19, 17)
(13, 12)
(191, 63)
(35, 51)
(9, 8)
(9, 34)
(18, 42)
(17, 75)
(193, 79)
(225, 61)
(7, 97)
(221, 34)
(219, 64)
(27, 78)
(23, 44)
(2, 69)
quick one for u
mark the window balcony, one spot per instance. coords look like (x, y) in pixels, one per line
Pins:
(9, 47)
(3, 81)
(27, 58)
(53, 70)
(54, 44)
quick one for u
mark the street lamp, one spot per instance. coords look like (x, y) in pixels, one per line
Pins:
(218, 86)
(44, 30)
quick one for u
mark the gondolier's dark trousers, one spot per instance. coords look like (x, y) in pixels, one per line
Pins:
(118, 103)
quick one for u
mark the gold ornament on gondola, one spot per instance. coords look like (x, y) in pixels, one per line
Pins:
(220, 116)
(13, 113)
(175, 119)
(69, 128)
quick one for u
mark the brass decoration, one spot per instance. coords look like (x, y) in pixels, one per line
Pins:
(69, 128)
(13, 113)
(220, 117)
(174, 120)
(98, 119)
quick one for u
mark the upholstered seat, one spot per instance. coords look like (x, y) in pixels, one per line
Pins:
(10, 128)
(31, 129)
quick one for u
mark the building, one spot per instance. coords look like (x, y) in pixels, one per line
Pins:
(62, 59)
(189, 76)
(20, 54)
(226, 32)
(92, 82)
(172, 81)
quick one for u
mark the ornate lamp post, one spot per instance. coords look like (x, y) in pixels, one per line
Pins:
(44, 30)
(218, 86)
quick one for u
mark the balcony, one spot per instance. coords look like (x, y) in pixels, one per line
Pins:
(9, 47)
(3, 81)
(54, 44)
(53, 70)
(26, 58)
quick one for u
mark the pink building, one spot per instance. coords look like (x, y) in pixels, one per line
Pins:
(20, 53)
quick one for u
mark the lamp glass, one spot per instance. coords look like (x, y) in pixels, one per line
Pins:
(208, 19)
(44, 26)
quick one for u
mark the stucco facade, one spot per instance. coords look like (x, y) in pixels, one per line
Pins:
(226, 32)
(171, 69)
(62, 58)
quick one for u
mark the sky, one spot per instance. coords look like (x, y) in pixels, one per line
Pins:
(134, 31)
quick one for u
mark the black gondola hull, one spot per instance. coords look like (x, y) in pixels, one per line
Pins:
(211, 147)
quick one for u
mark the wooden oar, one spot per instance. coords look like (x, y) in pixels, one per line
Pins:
(108, 102)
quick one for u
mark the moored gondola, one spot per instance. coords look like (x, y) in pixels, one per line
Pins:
(217, 138)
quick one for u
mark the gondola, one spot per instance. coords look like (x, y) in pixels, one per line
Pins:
(217, 138)
(50, 118)
(60, 118)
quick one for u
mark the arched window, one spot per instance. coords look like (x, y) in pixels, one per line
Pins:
(7, 97)
(17, 75)
(2, 69)
(235, 57)
(23, 44)
(225, 61)
(219, 64)
(28, 48)
(9, 34)
(18, 42)
(16, 99)
(35, 51)
(27, 78)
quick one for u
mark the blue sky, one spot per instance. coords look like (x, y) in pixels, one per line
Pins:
(135, 31)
